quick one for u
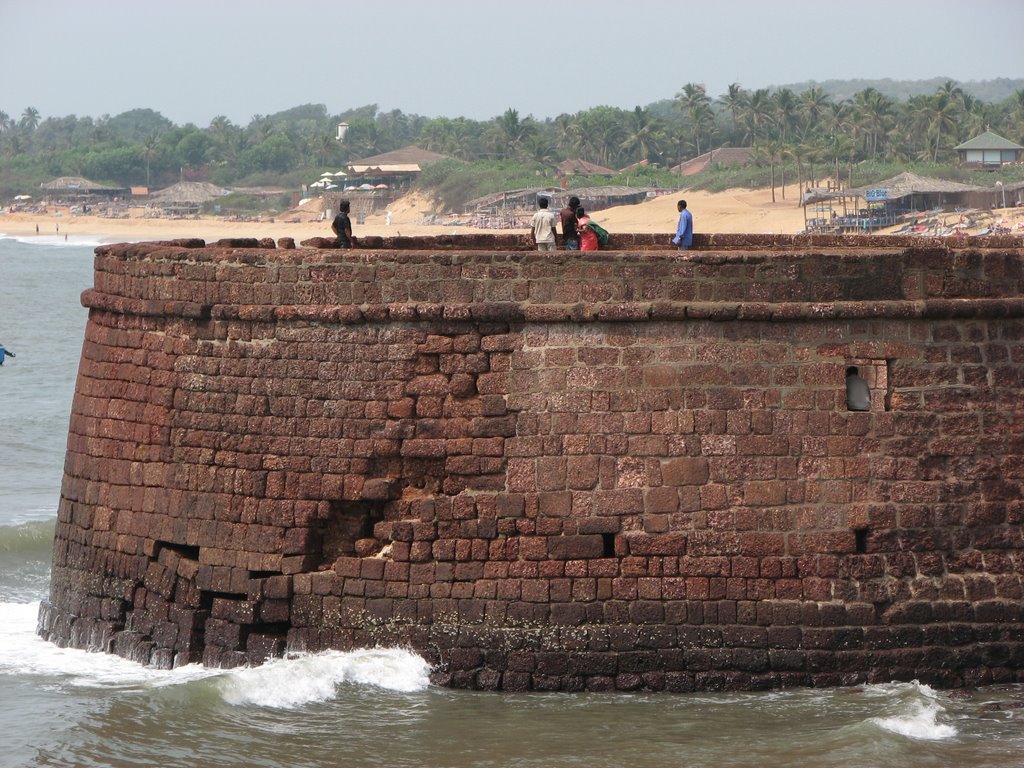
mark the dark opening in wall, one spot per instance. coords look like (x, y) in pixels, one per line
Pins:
(861, 540)
(608, 542)
(182, 550)
(346, 523)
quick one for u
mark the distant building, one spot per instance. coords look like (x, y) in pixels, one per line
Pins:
(75, 189)
(398, 167)
(989, 150)
(722, 157)
(579, 167)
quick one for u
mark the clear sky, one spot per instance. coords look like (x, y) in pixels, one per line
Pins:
(192, 60)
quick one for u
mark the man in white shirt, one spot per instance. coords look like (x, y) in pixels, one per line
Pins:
(543, 223)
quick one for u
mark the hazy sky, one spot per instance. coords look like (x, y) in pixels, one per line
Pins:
(192, 60)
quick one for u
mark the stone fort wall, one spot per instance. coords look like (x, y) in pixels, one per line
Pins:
(621, 470)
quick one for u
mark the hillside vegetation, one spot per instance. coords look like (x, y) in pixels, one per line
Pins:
(854, 130)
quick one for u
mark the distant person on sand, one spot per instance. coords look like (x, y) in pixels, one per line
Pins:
(342, 225)
(387, 219)
(588, 237)
(543, 223)
(4, 353)
(570, 235)
(684, 229)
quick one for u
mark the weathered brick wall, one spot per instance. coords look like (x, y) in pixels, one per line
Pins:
(618, 470)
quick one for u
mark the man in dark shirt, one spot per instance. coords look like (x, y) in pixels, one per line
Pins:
(570, 235)
(342, 225)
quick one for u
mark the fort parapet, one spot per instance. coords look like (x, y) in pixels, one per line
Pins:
(632, 469)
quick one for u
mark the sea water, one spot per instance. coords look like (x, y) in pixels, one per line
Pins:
(370, 707)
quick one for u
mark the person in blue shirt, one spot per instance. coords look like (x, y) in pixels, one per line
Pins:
(4, 353)
(684, 230)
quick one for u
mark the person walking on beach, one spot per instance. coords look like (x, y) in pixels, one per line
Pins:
(342, 225)
(570, 234)
(684, 229)
(543, 223)
(4, 352)
(588, 237)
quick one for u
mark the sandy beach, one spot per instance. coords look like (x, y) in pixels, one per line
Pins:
(733, 211)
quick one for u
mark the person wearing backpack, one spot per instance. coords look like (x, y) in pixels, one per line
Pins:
(588, 237)
(592, 234)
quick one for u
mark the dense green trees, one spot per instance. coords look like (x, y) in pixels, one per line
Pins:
(803, 131)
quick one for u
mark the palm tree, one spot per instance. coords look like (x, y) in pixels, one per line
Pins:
(768, 153)
(568, 133)
(541, 149)
(786, 109)
(872, 111)
(734, 99)
(514, 130)
(5, 122)
(813, 107)
(148, 150)
(643, 131)
(323, 146)
(1016, 102)
(30, 118)
(758, 115)
(693, 101)
(943, 112)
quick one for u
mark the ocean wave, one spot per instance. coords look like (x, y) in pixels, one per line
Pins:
(60, 241)
(312, 678)
(914, 711)
(289, 683)
(921, 722)
(31, 537)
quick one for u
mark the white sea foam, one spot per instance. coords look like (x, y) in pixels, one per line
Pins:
(919, 723)
(310, 678)
(23, 652)
(917, 708)
(77, 241)
(282, 683)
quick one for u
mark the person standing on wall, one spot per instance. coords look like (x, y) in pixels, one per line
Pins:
(570, 234)
(342, 225)
(684, 229)
(543, 223)
(588, 237)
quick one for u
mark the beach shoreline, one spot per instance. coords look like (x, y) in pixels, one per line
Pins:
(735, 211)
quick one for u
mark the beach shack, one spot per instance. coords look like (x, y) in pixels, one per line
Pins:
(886, 203)
(372, 183)
(76, 190)
(185, 199)
(989, 151)
(396, 169)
